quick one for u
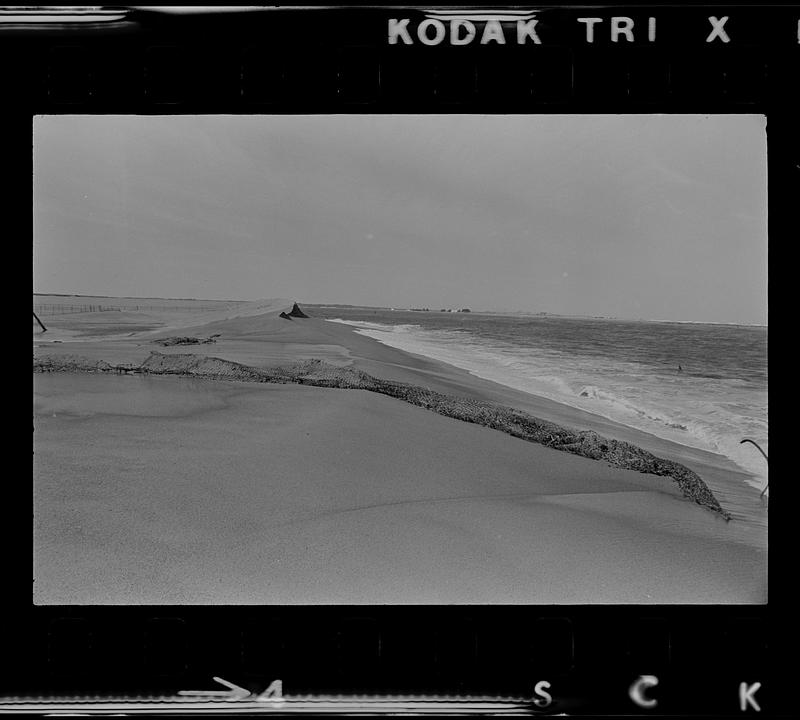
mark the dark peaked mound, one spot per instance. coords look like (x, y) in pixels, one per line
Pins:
(295, 312)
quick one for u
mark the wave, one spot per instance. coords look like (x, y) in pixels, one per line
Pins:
(381, 327)
(705, 322)
(698, 423)
(712, 416)
(625, 405)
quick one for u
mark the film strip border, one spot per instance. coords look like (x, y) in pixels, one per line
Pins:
(707, 661)
(711, 660)
(630, 59)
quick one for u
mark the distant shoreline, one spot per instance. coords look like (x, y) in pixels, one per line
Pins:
(502, 313)
(531, 314)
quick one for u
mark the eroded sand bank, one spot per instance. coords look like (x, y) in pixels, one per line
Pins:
(261, 493)
(290, 494)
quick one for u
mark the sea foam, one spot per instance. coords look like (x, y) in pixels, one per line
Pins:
(711, 413)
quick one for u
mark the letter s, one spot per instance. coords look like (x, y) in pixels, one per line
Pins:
(545, 698)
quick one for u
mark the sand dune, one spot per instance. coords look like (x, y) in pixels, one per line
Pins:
(142, 317)
(287, 494)
(199, 491)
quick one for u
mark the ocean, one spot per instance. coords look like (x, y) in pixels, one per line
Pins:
(698, 384)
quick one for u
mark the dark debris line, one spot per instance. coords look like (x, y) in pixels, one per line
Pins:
(319, 374)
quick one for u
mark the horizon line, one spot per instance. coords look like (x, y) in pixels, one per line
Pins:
(408, 309)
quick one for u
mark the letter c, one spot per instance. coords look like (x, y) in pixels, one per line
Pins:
(637, 691)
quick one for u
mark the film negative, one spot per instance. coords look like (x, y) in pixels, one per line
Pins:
(404, 359)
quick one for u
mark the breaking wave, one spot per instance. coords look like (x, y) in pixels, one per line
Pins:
(707, 410)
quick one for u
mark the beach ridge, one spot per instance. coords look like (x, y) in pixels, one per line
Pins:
(318, 373)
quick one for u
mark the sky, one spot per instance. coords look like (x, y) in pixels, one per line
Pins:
(658, 217)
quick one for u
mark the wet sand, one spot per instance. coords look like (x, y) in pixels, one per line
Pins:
(174, 490)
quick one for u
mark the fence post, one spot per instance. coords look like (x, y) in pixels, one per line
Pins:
(41, 325)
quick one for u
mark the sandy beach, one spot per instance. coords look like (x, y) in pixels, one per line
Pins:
(171, 490)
